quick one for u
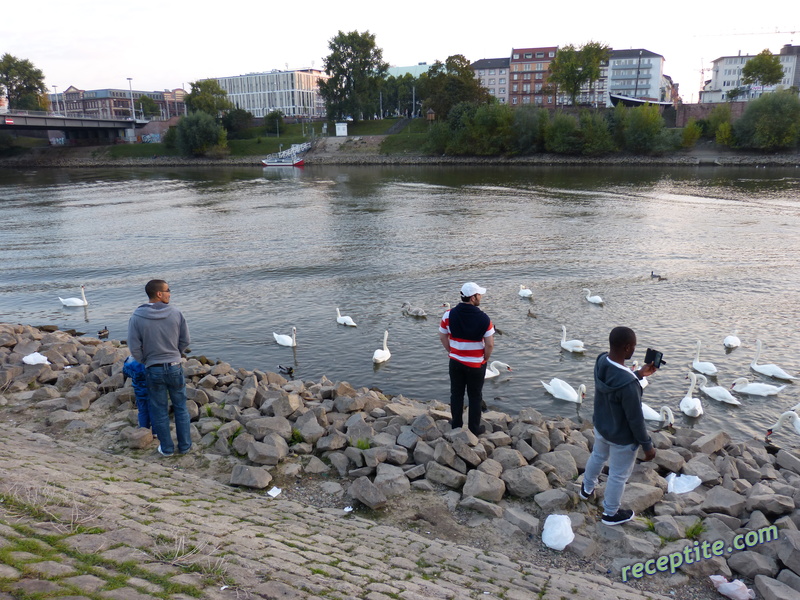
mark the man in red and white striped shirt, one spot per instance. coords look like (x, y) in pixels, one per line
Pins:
(467, 334)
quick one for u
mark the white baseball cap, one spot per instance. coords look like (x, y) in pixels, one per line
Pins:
(471, 288)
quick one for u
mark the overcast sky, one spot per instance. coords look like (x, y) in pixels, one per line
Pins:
(95, 44)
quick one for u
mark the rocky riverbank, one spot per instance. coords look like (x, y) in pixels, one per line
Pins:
(258, 429)
(349, 154)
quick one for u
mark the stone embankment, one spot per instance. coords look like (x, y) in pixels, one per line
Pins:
(256, 427)
(363, 151)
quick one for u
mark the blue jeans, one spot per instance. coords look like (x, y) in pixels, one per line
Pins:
(621, 459)
(469, 380)
(163, 383)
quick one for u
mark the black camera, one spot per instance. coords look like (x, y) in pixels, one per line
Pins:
(655, 357)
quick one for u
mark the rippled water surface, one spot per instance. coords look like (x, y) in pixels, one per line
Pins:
(251, 251)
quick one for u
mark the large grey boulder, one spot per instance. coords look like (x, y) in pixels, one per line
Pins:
(438, 473)
(252, 477)
(269, 451)
(722, 500)
(639, 496)
(749, 564)
(366, 492)
(772, 589)
(484, 486)
(526, 481)
(392, 480)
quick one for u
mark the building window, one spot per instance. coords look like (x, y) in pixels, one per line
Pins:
(515, 56)
(502, 80)
(514, 88)
(526, 88)
(491, 82)
(528, 55)
(539, 75)
(502, 90)
(538, 87)
(501, 72)
(526, 99)
(527, 76)
(514, 100)
(540, 55)
(551, 54)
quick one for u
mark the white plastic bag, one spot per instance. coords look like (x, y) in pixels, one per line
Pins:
(557, 532)
(35, 359)
(735, 590)
(681, 484)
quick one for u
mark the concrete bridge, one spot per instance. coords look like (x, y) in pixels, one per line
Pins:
(74, 127)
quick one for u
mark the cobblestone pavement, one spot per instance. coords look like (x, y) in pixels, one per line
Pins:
(77, 523)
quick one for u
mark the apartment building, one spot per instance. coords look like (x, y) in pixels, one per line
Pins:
(115, 102)
(529, 69)
(493, 75)
(638, 73)
(726, 76)
(294, 93)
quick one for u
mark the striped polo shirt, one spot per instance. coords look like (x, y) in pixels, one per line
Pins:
(467, 326)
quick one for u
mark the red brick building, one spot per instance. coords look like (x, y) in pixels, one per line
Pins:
(529, 69)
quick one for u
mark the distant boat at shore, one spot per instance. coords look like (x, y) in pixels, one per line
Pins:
(283, 161)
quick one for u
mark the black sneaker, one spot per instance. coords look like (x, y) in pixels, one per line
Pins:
(623, 516)
(586, 495)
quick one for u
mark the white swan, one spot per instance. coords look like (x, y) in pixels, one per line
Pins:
(665, 414)
(593, 299)
(769, 370)
(524, 292)
(717, 392)
(492, 370)
(731, 342)
(285, 340)
(412, 311)
(382, 354)
(75, 301)
(344, 320)
(706, 368)
(787, 416)
(571, 345)
(446, 306)
(745, 386)
(564, 391)
(690, 406)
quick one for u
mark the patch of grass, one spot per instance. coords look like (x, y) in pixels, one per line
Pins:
(362, 444)
(693, 531)
(252, 147)
(140, 151)
(373, 127)
(297, 437)
(404, 143)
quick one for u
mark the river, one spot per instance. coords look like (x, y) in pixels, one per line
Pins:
(249, 251)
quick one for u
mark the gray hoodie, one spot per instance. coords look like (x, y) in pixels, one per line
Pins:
(157, 333)
(618, 405)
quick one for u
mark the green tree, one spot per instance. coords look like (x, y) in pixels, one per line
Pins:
(724, 135)
(237, 120)
(643, 127)
(22, 83)
(148, 106)
(530, 125)
(563, 136)
(491, 129)
(720, 114)
(771, 122)
(449, 83)
(198, 133)
(273, 122)
(355, 68)
(763, 69)
(207, 96)
(398, 94)
(572, 68)
(596, 134)
(691, 133)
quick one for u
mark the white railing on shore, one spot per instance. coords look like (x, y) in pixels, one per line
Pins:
(70, 115)
(293, 151)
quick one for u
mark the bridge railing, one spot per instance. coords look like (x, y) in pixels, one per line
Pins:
(68, 115)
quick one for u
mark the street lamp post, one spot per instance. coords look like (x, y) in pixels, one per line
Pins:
(133, 110)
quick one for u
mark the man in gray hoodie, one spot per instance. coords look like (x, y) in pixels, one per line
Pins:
(157, 336)
(619, 427)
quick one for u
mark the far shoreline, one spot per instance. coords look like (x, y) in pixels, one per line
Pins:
(78, 158)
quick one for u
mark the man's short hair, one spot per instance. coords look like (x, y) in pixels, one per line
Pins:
(153, 287)
(621, 337)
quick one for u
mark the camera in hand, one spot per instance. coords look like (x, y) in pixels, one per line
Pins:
(655, 357)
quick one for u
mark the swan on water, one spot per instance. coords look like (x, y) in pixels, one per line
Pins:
(706, 368)
(344, 320)
(285, 340)
(593, 299)
(524, 292)
(743, 385)
(731, 342)
(665, 414)
(446, 306)
(769, 370)
(690, 406)
(787, 416)
(717, 392)
(564, 391)
(382, 354)
(75, 301)
(412, 311)
(570, 345)
(493, 370)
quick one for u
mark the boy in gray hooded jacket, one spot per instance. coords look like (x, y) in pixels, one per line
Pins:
(619, 427)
